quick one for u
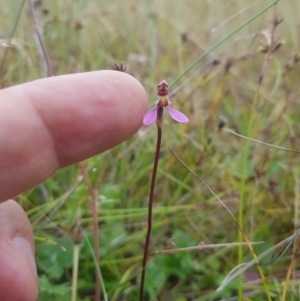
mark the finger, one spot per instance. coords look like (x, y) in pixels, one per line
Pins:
(54, 122)
(18, 276)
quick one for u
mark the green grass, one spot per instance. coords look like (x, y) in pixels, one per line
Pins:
(160, 40)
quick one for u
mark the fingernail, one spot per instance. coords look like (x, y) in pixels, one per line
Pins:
(25, 248)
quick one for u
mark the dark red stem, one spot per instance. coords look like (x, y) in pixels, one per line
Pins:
(151, 195)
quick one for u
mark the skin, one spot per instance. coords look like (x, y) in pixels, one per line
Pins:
(45, 125)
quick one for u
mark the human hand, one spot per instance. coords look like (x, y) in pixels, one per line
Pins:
(48, 124)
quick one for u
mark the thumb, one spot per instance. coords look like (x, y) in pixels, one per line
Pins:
(18, 276)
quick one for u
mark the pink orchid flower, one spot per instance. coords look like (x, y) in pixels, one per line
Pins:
(163, 101)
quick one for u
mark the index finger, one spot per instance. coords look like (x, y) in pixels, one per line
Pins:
(57, 121)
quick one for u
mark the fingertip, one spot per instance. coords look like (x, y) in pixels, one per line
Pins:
(88, 113)
(18, 278)
(58, 121)
(136, 89)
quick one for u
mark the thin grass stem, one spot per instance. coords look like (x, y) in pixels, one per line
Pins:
(97, 266)
(75, 271)
(204, 247)
(241, 231)
(221, 42)
(263, 143)
(10, 38)
(289, 273)
(242, 193)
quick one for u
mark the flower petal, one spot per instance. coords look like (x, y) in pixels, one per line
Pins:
(150, 116)
(177, 116)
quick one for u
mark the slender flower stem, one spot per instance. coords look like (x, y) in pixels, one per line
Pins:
(39, 36)
(95, 230)
(159, 123)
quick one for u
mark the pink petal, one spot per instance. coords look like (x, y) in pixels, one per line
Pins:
(177, 116)
(150, 116)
